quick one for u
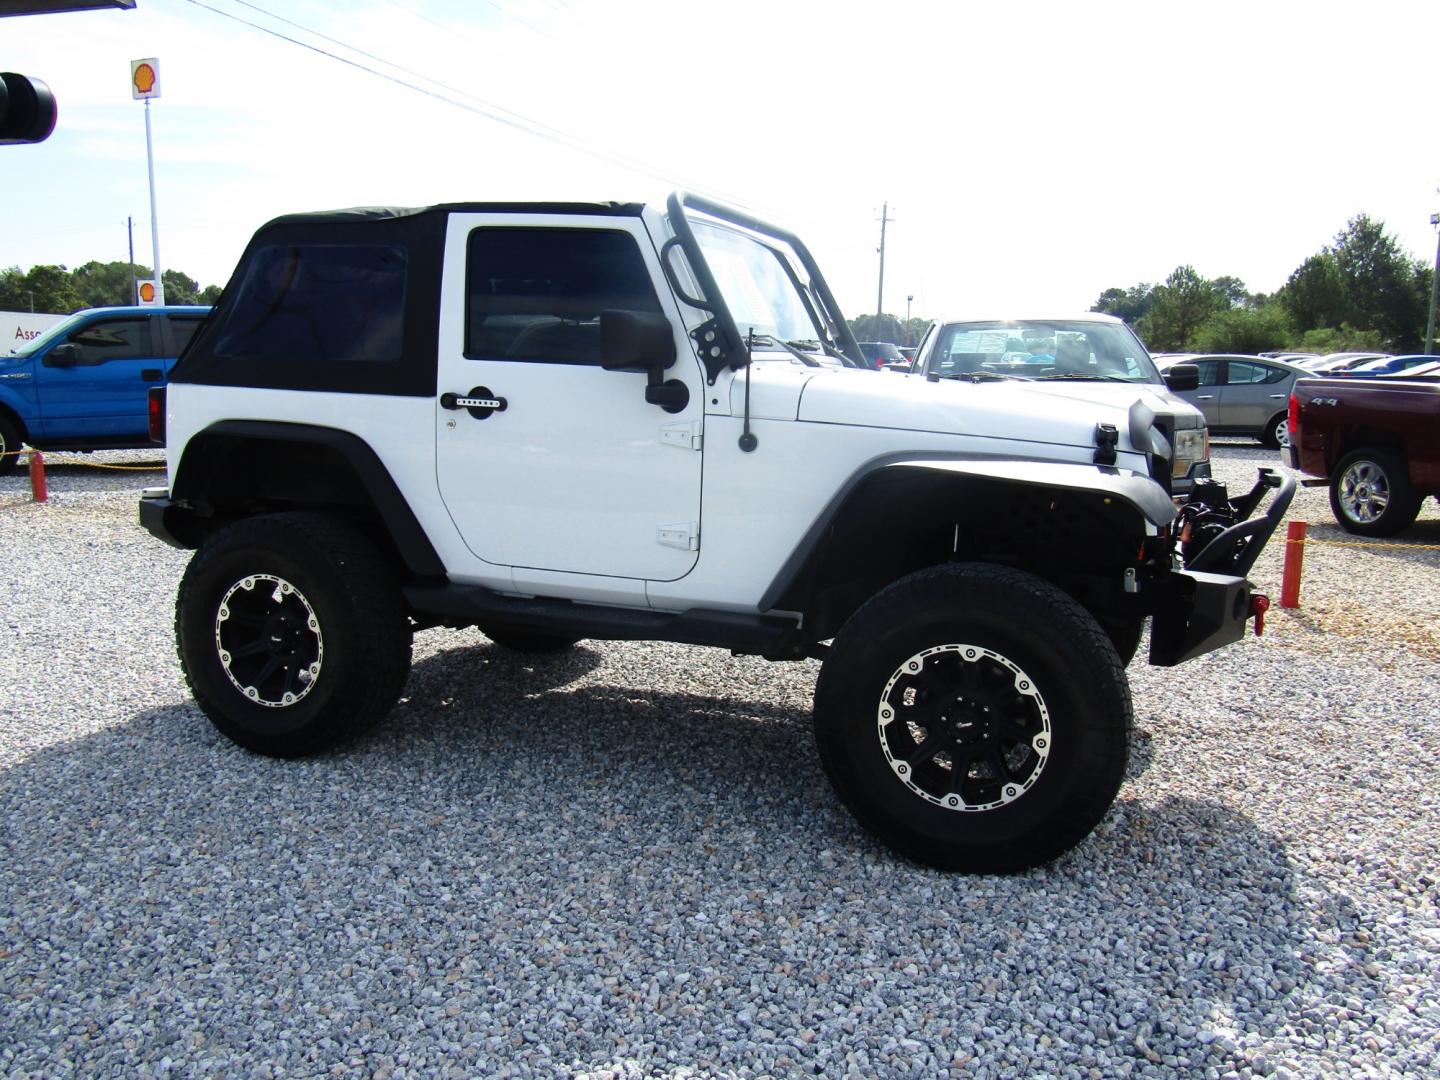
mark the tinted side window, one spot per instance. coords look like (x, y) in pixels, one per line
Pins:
(1241, 372)
(536, 293)
(1209, 372)
(323, 303)
(113, 339)
(182, 329)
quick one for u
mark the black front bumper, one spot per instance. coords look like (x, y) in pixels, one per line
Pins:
(1209, 604)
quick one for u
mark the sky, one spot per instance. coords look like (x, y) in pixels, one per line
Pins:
(1031, 154)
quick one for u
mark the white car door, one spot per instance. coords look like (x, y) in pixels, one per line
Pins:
(577, 473)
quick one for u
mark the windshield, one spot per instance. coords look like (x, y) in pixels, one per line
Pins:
(761, 290)
(1042, 349)
(49, 337)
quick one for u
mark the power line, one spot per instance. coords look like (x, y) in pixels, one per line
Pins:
(489, 110)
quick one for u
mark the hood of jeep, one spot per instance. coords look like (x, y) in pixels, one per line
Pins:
(1062, 414)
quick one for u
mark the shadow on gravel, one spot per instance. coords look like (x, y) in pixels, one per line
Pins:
(515, 869)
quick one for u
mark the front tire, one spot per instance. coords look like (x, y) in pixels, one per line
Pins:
(1370, 493)
(974, 718)
(291, 632)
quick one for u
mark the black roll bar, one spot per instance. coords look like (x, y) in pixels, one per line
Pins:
(734, 342)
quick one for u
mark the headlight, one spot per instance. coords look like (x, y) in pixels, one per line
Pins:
(1192, 446)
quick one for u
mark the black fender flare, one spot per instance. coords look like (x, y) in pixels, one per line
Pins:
(196, 471)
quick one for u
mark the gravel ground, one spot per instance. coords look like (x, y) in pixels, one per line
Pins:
(625, 861)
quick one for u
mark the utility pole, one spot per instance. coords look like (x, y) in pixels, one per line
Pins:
(908, 301)
(1434, 291)
(130, 232)
(880, 295)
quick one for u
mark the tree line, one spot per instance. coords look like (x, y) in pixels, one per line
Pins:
(1360, 292)
(54, 290)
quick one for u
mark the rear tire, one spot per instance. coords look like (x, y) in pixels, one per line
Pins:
(988, 670)
(9, 447)
(1277, 432)
(292, 633)
(1370, 493)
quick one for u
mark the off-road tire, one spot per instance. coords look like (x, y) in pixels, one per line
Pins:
(1057, 680)
(292, 633)
(9, 447)
(531, 641)
(1371, 495)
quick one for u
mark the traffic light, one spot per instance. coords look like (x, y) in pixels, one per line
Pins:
(27, 109)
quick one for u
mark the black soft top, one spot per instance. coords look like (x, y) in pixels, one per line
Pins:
(356, 214)
(417, 237)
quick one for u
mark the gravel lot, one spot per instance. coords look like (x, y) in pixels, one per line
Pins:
(625, 861)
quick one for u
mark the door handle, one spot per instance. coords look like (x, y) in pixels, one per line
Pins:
(151, 374)
(1207, 397)
(479, 402)
(1279, 397)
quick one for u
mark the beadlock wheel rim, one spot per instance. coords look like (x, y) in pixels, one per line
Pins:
(1364, 492)
(963, 727)
(268, 640)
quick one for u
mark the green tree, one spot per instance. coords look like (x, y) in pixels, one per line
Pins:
(46, 289)
(1380, 283)
(1344, 338)
(1242, 330)
(878, 328)
(1181, 307)
(1233, 291)
(180, 288)
(1130, 304)
(1314, 295)
(105, 284)
(210, 294)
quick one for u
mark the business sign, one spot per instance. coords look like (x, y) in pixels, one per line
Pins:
(144, 78)
(145, 290)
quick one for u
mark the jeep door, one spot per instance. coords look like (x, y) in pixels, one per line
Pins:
(94, 384)
(577, 473)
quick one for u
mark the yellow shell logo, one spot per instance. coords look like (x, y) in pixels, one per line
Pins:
(147, 290)
(144, 78)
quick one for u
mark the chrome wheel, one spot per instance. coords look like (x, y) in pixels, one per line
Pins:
(1364, 492)
(1280, 433)
(963, 727)
(268, 640)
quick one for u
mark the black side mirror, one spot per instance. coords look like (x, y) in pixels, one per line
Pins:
(1182, 377)
(636, 341)
(643, 341)
(66, 355)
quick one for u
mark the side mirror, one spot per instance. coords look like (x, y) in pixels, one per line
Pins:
(66, 355)
(643, 341)
(636, 341)
(1182, 377)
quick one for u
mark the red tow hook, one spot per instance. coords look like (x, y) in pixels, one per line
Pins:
(1259, 604)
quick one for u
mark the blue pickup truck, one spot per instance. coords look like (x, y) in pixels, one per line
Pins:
(83, 384)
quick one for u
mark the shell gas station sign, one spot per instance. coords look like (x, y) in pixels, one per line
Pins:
(145, 291)
(145, 79)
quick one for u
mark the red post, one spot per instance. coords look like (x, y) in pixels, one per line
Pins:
(37, 475)
(1294, 563)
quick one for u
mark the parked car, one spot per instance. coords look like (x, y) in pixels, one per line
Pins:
(1340, 361)
(1086, 359)
(1244, 395)
(83, 383)
(1387, 365)
(880, 354)
(1375, 442)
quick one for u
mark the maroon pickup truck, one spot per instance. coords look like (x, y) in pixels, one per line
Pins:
(1375, 441)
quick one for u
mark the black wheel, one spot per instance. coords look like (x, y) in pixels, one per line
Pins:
(1277, 432)
(1125, 635)
(9, 445)
(974, 718)
(531, 641)
(291, 632)
(1370, 493)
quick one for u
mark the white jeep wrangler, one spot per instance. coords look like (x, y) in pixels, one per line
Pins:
(566, 421)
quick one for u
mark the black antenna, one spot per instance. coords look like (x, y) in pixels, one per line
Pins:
(748, 442)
